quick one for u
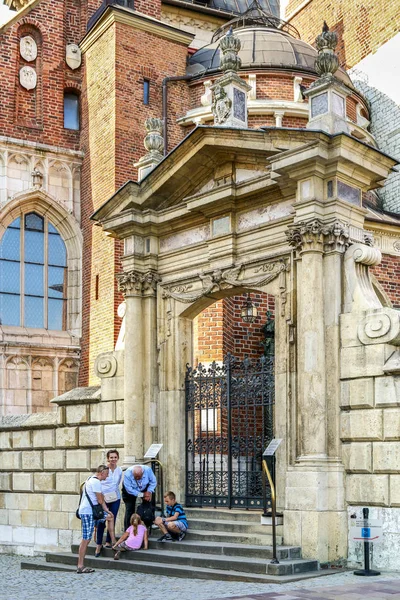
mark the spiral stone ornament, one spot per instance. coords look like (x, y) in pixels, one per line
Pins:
(380, 326)
(105, 365)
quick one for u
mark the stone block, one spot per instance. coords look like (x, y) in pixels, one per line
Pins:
(2, 500)
(97, 457)
(32, 460)
(5, 440)
(67, 437)
(357, 457)
(44, 482)
(78, 460)
(103, 412)
(5, 482)
(22, 439)
(362, 425)
(67, 482)
(28, 518)
(3, 517)
(91, 436)
(348, 330)
(74, 523)
(77, 414)
(367, 490)
(65, 539)
(113, 435)
(119, 411)
(23, 535)
(386, 457)
(54, 460)
(394, 490)
(42, 517)
(17, 501)
(387, 391)
(11, 461)
(5, 534)
(52, 502)
(58, 520)
(14, 517)
(357, 393)
(46, 537)
(362, 361)
(36, 502)
(391, 424)
(22, 482)
(69, 503)
(43, 438)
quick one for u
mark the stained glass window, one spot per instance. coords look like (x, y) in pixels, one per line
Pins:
(33, 275)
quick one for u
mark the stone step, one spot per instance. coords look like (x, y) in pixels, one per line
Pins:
(243, 527)
(170, 570)
(223, 514)
(196, 559)
(215, 548)
(254, 539)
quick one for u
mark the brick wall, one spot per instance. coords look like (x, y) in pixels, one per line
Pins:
(362, 27)
(220, 329)
(388, 275)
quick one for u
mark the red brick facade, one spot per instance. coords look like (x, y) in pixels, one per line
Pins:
(388, 275)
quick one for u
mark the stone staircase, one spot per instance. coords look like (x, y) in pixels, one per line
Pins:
(221, 544)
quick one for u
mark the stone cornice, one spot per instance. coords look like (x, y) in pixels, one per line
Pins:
(136, 283)
(137, 21)
(23, 7)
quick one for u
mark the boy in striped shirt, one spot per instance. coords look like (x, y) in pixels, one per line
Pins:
(174, 525)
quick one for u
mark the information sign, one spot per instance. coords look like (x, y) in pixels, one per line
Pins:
(153, 451)
(366, 530)
(272, 447)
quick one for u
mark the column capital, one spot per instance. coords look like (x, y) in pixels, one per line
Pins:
(317, 236)
(137, 283)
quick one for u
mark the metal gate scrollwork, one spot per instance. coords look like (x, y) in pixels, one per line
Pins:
(229, 423)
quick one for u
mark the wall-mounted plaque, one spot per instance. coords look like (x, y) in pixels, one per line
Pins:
(28, 48)
(73, 56)
(28, 78)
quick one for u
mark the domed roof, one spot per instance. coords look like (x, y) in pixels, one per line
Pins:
(262, 47)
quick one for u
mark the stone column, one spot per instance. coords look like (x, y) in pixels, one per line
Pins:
(307, 237)
(135, 285)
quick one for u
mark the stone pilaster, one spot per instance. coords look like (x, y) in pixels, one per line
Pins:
(139, 290)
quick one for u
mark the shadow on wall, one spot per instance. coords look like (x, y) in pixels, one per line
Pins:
(385, 127)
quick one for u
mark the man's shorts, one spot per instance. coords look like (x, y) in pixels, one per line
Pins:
(88, 525)
(180, 524)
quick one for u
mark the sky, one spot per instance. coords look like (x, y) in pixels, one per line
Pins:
(5, 12)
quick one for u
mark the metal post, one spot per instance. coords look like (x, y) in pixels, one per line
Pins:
(366, 572)
(229, 406)
(274, 560)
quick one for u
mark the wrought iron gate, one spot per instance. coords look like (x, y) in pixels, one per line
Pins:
(229, 422)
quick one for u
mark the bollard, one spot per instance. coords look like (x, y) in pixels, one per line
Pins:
(366, 571)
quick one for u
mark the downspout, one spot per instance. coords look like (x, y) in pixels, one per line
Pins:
(165, 82)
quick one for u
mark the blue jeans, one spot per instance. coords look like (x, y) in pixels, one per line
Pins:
(114, 508)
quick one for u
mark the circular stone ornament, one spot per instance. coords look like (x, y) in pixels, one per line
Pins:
(73, 56)
(28, 78)
(28, 48)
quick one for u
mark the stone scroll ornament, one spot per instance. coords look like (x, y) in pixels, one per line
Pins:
(221, 280)
(105, 365)
(28, 48)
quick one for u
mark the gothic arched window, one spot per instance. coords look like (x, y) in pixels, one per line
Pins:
(33, 274)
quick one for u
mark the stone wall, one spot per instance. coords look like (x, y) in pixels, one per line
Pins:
(43, 460)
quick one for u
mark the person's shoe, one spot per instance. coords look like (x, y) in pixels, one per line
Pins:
(117, 555)
(169, 538)
(98, 552)
(182, 536)
(162, 538)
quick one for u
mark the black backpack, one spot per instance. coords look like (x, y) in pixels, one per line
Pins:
(146, 512)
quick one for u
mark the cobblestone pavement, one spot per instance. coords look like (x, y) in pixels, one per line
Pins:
(46, 585)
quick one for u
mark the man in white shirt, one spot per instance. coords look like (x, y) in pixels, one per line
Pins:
(92, 488)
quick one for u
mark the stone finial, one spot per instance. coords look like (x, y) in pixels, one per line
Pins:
(230, 46)
(327, 62)
(37, 179)
(154, 144)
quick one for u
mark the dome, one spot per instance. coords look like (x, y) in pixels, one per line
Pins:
(262, 47)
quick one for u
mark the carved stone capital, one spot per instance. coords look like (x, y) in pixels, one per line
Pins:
(136, 283)
(316, 236)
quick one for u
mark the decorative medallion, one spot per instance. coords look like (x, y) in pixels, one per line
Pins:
(221, 106)
(73, 56)
(28, 78)
(28, 48)
(396, 245)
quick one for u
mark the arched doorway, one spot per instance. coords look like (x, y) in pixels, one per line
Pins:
(229, 401)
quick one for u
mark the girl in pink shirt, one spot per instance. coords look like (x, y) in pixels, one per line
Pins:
(133, 538)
